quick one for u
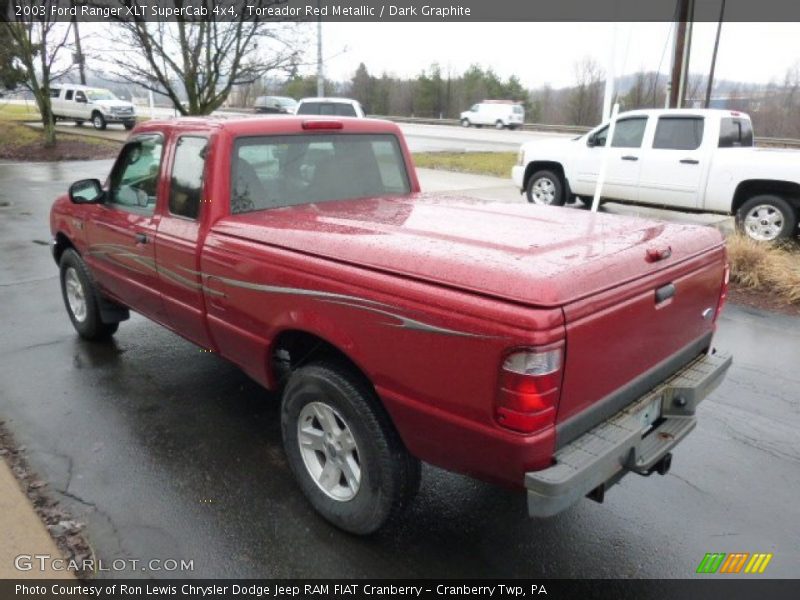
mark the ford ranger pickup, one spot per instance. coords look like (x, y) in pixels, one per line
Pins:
(545, 350)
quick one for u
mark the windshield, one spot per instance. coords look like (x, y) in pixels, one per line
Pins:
(100, 95)
(277, 171)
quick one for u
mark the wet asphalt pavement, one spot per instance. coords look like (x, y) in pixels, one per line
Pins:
(164, 451)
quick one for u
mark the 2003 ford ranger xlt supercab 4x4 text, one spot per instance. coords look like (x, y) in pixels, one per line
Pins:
(548, 350)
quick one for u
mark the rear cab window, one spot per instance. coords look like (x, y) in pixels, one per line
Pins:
(735, 133)
(188, 174)
(278, 171)
(337, 109)
(679, 133)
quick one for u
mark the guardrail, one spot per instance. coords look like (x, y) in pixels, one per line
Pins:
(577, 129)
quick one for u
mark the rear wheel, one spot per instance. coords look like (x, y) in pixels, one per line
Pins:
(545, 187)
(81, 298)
(129, 125)
(343, 450)
(465, 123)
(98, 121)
(767, 218)
(499, 124)
(79, 122)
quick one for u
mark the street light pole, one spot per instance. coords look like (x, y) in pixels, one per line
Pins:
(320, 72)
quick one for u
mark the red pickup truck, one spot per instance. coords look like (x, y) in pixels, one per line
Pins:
(548, 350)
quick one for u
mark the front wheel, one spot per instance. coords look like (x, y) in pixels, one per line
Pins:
(767, 218)
(545, 187)
(343, 450)
(79, 123)
(81, 298)
(499, 125)
(129, 125)
(98, 121)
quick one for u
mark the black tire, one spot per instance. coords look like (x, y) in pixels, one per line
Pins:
(389, 475)
(465, 123)
(129, 125)
(499, 125)
(585, 200)
(88, 325)
(98, 121)
(79, 123)
(555, 182)
(779, 218)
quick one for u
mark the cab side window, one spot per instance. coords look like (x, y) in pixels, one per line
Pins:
(68, 95)
(134, 179)
(80, 96)
(678, 133)
(629, 133)
(186, 183)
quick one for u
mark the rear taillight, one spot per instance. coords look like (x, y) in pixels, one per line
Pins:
(528, 389)
(723, 293)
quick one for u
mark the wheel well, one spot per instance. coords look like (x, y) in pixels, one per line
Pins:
(787, 190)
(292, 349)
(62, 243)
(538, 165)
(97, 112)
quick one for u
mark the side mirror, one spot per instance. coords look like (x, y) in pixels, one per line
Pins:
(591, 141)
(86, 191)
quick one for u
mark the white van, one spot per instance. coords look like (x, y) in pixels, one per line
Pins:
(82, 103)
(500, 113)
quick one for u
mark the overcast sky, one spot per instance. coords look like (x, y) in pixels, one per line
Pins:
(540, 53)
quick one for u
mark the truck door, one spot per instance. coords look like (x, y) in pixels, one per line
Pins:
(623, 163)
(178, 239)
(672, 169)
(121, 251)
(67, 105)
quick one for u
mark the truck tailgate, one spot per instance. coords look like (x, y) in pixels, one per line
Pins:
(624, 341)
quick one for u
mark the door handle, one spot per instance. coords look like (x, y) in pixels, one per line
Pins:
(141, 238)
(664, 293)
(689, 161)
(629, 157)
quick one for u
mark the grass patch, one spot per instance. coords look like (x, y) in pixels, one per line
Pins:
(20, 142)
(497, 164)
(18, 112)
(766, 268)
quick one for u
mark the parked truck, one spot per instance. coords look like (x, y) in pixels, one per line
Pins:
(684, 159)
(549, 351)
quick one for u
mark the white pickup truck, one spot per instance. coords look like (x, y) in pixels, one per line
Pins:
(690, 160)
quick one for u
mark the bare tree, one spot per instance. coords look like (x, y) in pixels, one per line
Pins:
(37, 44)
(202, 60)
(584, 100)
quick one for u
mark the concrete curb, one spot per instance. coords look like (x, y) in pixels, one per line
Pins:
(23, 533)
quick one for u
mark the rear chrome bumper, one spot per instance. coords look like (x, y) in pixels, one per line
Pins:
(602, 456)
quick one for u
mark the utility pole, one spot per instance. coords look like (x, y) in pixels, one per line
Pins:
(680, 54)
(320, 72)
(714, 55)
(78, 52)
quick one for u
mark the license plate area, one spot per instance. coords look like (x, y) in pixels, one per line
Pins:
(649, 413)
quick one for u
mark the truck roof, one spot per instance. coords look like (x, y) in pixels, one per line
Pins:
(694, 112)
(270, 125)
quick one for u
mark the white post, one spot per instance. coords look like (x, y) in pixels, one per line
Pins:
(601, 176)
(608, 98)
(152, 104)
